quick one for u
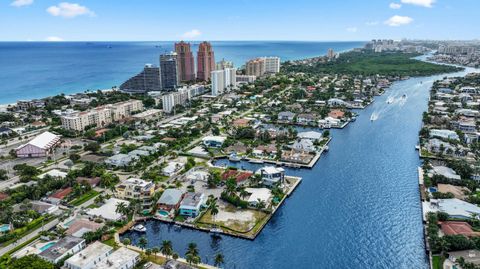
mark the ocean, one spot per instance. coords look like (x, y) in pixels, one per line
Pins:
(39, 69)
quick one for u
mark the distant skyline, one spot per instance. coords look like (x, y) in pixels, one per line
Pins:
(193, 20)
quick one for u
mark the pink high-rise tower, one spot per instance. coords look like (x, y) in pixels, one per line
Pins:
(205, 61)
(185, 62)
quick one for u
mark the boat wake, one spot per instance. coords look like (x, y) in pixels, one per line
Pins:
(374, 116)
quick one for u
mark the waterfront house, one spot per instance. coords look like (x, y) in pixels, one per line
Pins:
(170, 199)
(455, 208)
(79, 226)
(214, 141)
(467, 112)
(458, 228)
(239, 176)
(257, 195)
(294, 156)
(286, 116)
(191, 204)
(310, 135)
(89, 257)
(329, 122)
(336, 114)
(335, 102)
(122, 258)
(444, 133)
(172, 169)
(64, 247)
(304, 145)
(41, 146)
(469, 256)
(272, 176)
(445, 171)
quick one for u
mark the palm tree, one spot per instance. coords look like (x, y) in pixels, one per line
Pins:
(260, 204)
(155, 251)
(142, 243)
(192, 249)
(148, 252)
(126, 241)
(166, 248)
(243, 193)
(121, 208)
(213, 209)
(219, 260)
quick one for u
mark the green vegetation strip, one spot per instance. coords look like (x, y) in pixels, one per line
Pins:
(17, 248)
(85, 197)
(32, 226)
(437, 262)
(369, 63)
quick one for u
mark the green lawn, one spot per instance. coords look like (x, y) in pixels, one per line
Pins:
(85, 197)
(437, 262)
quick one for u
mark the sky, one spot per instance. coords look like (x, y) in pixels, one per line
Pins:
(302, 20)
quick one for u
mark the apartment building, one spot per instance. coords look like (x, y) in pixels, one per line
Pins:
(137, 189)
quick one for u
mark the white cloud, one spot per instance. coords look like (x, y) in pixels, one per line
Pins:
(192, 34)
(398, 20)
(21, 3)
(423, 3)
(54, 39)
(372, 23)
(352, 29)
(69, 10)
(395, 6)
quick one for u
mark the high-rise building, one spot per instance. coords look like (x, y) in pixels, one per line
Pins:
(223, 64)
(146, 81)
(255, 67)
(205, 61)
(272, 65)
(264, 65)
(331, 54)
(185, 61)
(169, 71)
(181, 97)
(223, 80)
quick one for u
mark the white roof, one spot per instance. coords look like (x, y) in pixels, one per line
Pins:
(263, 194)
(458, 208)
(446, 172)
(44, 141)
(89, 254)
(214, 138)
(118, 259)
(54, 173)
(107, 210)
(272, 169)
(310, 135)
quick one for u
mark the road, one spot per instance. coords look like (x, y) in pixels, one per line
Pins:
(29, 236)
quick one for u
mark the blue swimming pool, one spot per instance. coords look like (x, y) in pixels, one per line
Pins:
(163, 213)
(4, 228)
(47, 246)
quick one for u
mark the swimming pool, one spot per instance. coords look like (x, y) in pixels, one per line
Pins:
(4, 228)
(163, 213)
(47, 246)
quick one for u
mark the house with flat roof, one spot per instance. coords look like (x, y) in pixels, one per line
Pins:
(55, 173)
(310, 135)
(108, 210)
(191, 204)
(272, 176)
(41, 146)
(122, 258)
(455, 208)
(121, 160)
(68, 245)
(444, 133)
(257, 195)
(214, 141)
(469, 256)
(445, 171)
(88, 258)
(172, 169)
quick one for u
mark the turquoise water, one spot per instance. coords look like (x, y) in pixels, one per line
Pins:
(39, 69)
(47, 246)
(4, 228)
(163, 213)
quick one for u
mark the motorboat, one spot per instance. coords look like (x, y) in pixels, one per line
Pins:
(234, 158)
(140, 228)
(417, 147)
(216, 230)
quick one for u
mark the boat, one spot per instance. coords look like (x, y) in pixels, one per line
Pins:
(390, 100)
(216, 230)
(325, 148)
(353, 119)
(404, 96)
(255, 161)
(139, 228)
(234, 158)
(417, 147)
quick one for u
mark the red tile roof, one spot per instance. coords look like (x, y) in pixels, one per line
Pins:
(61, 193)
(458, 227)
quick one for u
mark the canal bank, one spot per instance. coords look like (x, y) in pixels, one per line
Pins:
(357, 208)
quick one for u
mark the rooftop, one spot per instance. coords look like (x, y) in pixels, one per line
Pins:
(89, 254)
(61, 247)
(118, 259)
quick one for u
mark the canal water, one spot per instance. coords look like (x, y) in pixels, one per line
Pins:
(359, 207)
